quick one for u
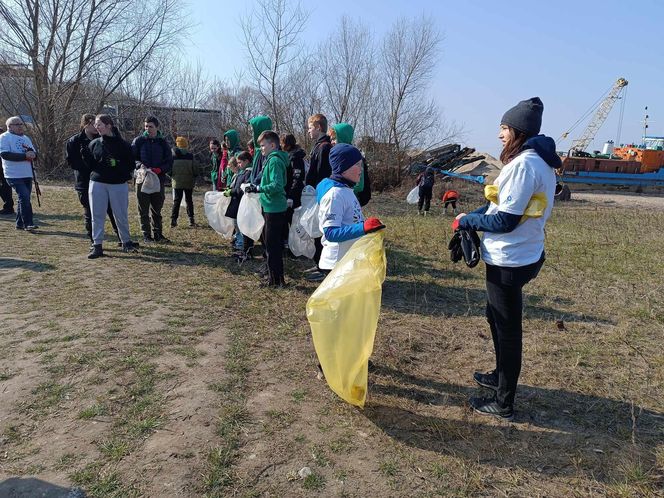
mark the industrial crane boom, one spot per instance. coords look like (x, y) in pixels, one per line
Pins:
(581, 143)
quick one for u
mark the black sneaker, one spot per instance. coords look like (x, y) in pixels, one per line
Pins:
(20, 228)
(161, 239)
(488, 380)
(262, 270)
(316, 276)
(489, 406)
(174, 223)
(96, 252)
(130, 247)
(147, 239)
(7, 211)
(30, 228)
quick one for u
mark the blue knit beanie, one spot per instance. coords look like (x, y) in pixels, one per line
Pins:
(342, 157)
(526, 116)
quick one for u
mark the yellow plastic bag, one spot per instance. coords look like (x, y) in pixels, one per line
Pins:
(343, 315)
(535, 208)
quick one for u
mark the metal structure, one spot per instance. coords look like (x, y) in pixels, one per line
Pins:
(605, 106)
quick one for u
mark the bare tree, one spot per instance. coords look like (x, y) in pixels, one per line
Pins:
(346, 60)
(76, 53)
(270, 36)
(410, 52)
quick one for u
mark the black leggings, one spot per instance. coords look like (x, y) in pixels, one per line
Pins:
(504, 308)
(425, 198)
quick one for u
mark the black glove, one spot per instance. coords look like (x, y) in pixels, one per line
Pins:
(456, 253)
(251, 189)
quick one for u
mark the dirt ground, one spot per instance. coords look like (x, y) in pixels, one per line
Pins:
(170, 372)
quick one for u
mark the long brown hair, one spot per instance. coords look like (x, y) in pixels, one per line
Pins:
(87, 119)
(105, 118)
(513, 147)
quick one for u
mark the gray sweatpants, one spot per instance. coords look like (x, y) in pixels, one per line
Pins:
(101, 194)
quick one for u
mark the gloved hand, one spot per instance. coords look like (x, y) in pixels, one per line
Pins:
(156, 171)
(251, 188)
(227, 192)
(372, 225)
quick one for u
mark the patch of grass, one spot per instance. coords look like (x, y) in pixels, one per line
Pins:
(6, 375)
(114, 449)
(46, 396)
(66, 461)
(298, 395)
(388, 468)
(93, 411)
(12, 434)
(189, 352)
(313, 482)
(319, 456)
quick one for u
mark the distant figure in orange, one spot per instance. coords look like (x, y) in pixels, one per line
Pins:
(450, 197)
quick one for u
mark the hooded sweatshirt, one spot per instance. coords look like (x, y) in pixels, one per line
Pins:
(109, 159)
(506, 241)
(224, 175)
(259, 124)
(273, 183)
(362, 189)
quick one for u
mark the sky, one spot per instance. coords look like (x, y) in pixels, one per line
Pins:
(494, 54)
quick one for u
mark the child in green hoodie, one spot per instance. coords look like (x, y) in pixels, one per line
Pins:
(272, 191)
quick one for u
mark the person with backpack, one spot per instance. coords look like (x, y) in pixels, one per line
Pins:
(425, 183)
(183, 178)
(512, 246)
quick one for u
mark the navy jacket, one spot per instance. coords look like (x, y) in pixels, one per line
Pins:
(153, 153)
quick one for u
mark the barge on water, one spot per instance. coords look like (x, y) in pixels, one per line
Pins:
(628, 165)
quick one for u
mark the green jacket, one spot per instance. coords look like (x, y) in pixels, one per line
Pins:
(345, 134)
(273, 183)
(184, 171)
(234, 140)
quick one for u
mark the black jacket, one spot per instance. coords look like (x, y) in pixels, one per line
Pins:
(319, 163)
(236, 192)
(364, 196)
(153, 153)
(74, 155)
(109, 159)
(295, 181)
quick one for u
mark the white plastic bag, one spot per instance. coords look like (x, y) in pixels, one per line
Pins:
(413, 196)
(250, 217)
(299, 241)
(216, 204)
(151, 182)
(309, 216)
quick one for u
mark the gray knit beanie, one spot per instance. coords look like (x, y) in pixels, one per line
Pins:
(526, 116)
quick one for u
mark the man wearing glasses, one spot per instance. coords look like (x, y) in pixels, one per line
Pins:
(17, 153)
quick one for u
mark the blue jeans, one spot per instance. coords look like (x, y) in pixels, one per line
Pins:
(23, 187)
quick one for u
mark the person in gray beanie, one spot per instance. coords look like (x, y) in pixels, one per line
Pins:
(512, 246)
